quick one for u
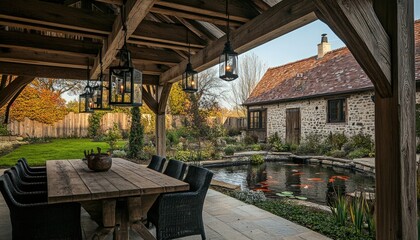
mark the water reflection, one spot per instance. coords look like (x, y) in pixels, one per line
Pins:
(317, 183)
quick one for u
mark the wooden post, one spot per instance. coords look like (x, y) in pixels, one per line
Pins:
(162, 94)
(396, 205)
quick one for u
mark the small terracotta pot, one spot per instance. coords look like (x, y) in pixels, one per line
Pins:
(99, 162)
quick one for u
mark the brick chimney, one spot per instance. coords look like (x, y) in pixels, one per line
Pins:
(324, 46)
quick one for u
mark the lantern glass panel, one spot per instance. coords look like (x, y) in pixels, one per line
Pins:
(125, 86)
(190, 80)
(85, 102)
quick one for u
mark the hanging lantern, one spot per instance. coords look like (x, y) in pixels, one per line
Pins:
(125, 82)
(189, 77)
(228, 61)
(86, 98)
(100, 97)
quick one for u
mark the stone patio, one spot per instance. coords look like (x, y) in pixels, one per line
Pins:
(224, 218)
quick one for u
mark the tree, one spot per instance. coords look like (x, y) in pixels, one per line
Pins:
(41, 105)
(60, 86)
(250, 72)
(178, 100)
(73, 106)
(136, 133)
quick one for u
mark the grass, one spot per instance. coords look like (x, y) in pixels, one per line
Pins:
(38, 153)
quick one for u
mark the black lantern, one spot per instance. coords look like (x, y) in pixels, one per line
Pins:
(100, 97)
(86, 98)
(125, 82)
(189, 77)
(228, 61)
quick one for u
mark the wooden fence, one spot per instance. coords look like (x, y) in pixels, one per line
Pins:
(73, 125)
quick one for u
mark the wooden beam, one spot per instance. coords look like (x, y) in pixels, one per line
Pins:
(198, 29)
(150, 79)
(155, 55)
(41, 58)
(163, 98)
(11, 101)
(11, 89)
(261, 5)
(55, 15)
(278, 20)
(150, 101)
(41, 71)
(173, 34)
(161, 45)
(194, 16)
(239, 11)
(395, 140)
(147, 68)
(53, 45)
(135, 11)
(356, 23)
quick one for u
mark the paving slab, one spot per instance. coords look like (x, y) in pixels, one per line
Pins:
(224, 218)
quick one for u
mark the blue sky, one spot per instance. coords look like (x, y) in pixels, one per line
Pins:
(302, 43)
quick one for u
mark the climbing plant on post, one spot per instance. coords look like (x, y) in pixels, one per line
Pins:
(136, 133)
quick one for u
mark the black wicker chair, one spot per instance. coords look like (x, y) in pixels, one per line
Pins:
(180, 214)
(175, 169)
(157, 163)
(26, 177)
(22, 186)
(33, 171)
(32, 219)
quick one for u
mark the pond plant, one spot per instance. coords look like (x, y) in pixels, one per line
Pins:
(257, 159)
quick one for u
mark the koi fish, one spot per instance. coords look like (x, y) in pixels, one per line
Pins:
(298, 173)
(315, 179)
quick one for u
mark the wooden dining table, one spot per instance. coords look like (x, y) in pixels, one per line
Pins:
(117, 199)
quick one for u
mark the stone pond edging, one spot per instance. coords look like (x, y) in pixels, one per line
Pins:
(363, 165)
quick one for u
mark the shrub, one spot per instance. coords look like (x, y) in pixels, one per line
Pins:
(3, 129)
(362, 140)
(265, 146)
(94, 129)
(233, 132)
(293, 147)
(255, 147)
(257, 159)
(336, 140)
(184, 156)
(136, 138)
(359, 153)
(274, 138)
(37, 139)
(250, 196)
(230, 140)
(239, 148)
(229, 151)
(112, 136)
(119, 153)
(251, 139)
(348, 147)
(337, 153)
(172, 137)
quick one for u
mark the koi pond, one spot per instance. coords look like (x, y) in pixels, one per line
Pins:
(315, 183)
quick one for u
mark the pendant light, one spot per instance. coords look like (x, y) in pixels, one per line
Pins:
(100, 98)
(189, 77)
(228, 61)
(125, 82)
(86, 98)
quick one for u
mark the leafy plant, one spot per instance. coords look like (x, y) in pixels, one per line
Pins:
(136, 139)
(337, 140)
(339, 209)
(250, 196)
(251, 139)
(257, 159)
(362, 140)
(311, 145)
(357, 212)
(112, 136)
(94, 129)
(229, 151)
(119, 153)
(255, 147)
(337, 153)
(359, 153)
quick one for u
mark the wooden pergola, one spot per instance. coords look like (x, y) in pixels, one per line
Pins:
(54, 38)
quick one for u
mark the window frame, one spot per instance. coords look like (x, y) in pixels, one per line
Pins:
(343, 110)
(261, 119)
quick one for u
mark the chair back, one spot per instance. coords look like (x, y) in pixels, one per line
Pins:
(175, 169)
(29, 170)
(199, 180)
(157, 163)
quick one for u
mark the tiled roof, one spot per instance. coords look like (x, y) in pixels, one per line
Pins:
(337, 72)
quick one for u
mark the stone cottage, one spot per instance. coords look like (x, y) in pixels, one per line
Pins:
(325, 93)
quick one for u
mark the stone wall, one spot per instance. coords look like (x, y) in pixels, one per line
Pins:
(313, 113)
(360, 116)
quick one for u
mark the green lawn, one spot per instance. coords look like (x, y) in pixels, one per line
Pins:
(37, 154)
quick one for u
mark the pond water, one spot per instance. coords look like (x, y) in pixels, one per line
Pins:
(317, 183)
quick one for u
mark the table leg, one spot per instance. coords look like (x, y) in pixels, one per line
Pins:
(122, 222)
(102, 233)
(142, 230)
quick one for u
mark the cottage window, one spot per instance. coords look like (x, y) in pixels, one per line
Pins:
(337, 110)
(257, 119)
